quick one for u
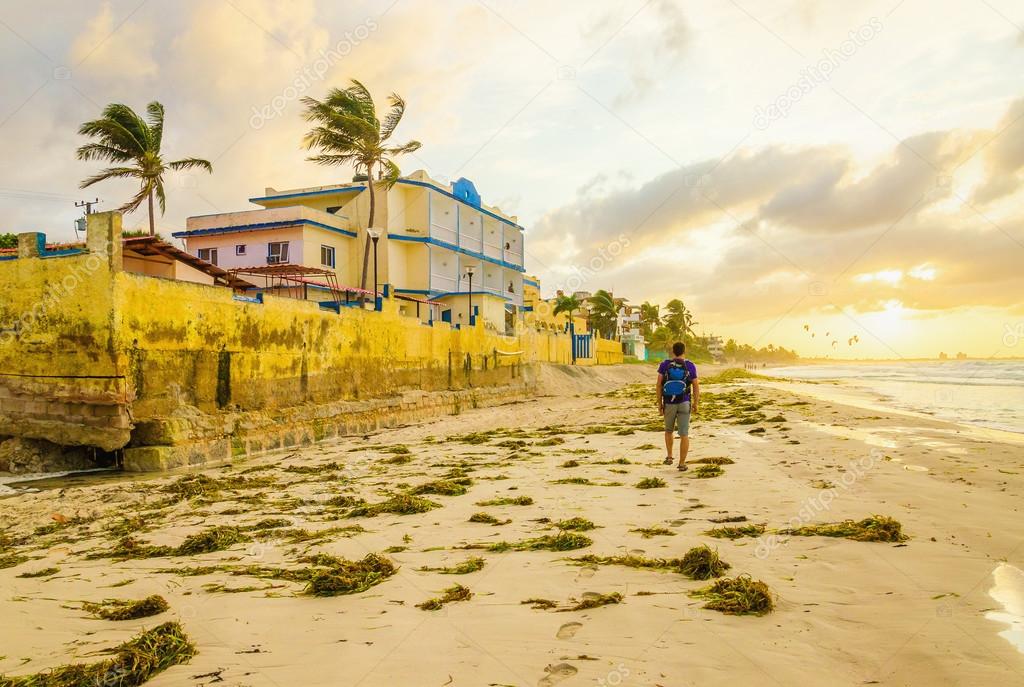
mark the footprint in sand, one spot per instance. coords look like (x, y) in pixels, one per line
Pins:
(556, 673)
(586, 572)
(568, 631)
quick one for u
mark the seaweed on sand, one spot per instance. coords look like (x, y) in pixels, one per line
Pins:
(737, 596)
(443, 487)
(10, 560)
(467, 566)
(133, 663)
(332, 576)
(45, 572)
(570, 464)
(708, 471)
(630, 561)
(120, 609)
(200, 485)
(648, 532)
(735, 532)
(576, 524)
(714, 460)
(563, 541)
(507, 501)
(213, 539)
(540, 604)
(487, 519)
(875, 528)
(651, 483)
(703, 563)
(451, 595)
(400, 504)
(594, 601)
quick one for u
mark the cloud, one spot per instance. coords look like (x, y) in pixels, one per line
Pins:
(1004, 157)
(115, 48)
(783, 227)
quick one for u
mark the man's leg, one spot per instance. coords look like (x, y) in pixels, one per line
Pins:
(684, 448)
(683, 422)
(670, 425)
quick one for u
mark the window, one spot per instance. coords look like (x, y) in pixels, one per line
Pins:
(327, 256)
(240, 249)
(277, 252)
(207, 254)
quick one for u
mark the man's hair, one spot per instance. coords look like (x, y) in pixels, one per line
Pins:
(678, 348)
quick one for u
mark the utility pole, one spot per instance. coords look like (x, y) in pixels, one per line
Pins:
(80, 224)
(87, 204)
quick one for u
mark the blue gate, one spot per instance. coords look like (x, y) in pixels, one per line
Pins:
(581, 346)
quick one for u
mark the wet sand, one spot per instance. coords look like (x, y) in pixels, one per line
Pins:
(847, 612)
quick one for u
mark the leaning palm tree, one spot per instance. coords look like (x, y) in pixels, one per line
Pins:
(125, 138)
(650, 318)
(348, 132)
(604, 313)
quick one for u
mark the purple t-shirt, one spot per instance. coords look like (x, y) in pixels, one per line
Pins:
(682, 398)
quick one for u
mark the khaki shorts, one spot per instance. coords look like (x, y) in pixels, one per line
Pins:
(677, 415)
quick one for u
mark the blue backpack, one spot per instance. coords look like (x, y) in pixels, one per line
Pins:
(677, 379)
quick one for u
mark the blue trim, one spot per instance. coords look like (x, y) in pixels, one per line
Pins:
(8, 257)
(425, 184)
(531, 282)
(471, 293)
(419, 292)
(258, 298)
(306, 194)
(261, 227)
(452, 247)
(63, 252)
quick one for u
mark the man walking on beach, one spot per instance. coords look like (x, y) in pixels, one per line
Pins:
(677, 382)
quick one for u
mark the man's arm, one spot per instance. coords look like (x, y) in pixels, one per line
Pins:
(695, 396)
(661, 396)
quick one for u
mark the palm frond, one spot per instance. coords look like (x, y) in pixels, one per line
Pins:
(136, 200)
(161, 197)
(102, 151)
(410, 147)
(190, 163)
(156, 124)
(112, 173)
(393, 117)
(391, 173)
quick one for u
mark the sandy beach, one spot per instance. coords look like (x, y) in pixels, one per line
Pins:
(917, 612)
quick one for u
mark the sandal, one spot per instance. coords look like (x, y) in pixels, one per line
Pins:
(682, 468)
(668, 460)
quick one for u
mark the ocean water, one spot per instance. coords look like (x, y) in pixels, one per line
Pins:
(986, 393)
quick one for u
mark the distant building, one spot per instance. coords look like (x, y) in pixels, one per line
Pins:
(433, 235)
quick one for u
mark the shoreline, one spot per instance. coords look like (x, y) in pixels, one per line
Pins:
(857, 611)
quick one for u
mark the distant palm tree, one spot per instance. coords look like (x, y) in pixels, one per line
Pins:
(650, 318)
(603, 313)
(679, 319)
(348, 132)
(661, 339)
(125, 137)
(568, 305)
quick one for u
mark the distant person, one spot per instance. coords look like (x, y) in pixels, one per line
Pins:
(677, 379)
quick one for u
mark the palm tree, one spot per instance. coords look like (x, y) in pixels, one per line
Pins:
(661, 339)
(123, 137)
(679, 319)
(348, 132)
(603, 313)
(650, 318)
(567, 304)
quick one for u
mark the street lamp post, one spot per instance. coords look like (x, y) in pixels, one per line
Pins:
(469, 273)
(374, 235)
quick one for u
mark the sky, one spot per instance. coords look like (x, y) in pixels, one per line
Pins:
(784, 167)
